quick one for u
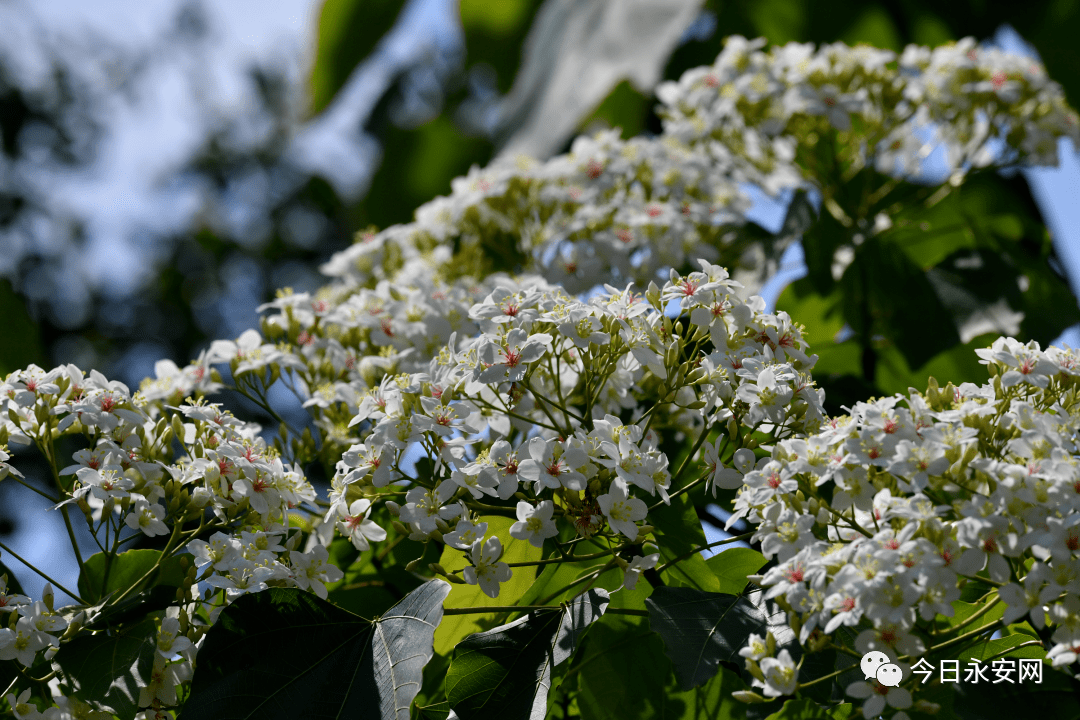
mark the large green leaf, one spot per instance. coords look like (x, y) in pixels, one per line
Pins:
(913, 320)
(348, 32)
(456, 627)
(1057, 696)
(22, 339)
(284, 653)
(124, 571)
(733, 565)
(506, 671)
(108, 670)
(622, 672)
(801, 710)
(679, 532)
(701, 630)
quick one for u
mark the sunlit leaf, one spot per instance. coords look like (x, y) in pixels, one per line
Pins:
(506, 671)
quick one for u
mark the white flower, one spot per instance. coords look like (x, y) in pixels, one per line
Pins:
(637, 565)
(534, 523)
(22, 643)
(218, 553)
(878, 696)
(755, 648)
(509, 359)
(622, 511)
(169, 640)
(464, 534)
(311, 571)
(487, 570)
(550, 467)
(147, 519)
(781, 677)
(164, 679)
(722, 477)
(22, 708)
(357, 527)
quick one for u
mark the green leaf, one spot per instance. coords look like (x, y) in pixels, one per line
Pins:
(964, 610)
(701, 630)
(22, 339)
(1055, 697)
(679, 532)
(348, 32)
(126, 569)
(557, 577)
(991, 648)
(622, 672)
(284, 653)
(108, 670)
(801, 710)
(456, 627)
(872, 307)
(506, 671)
(733, 565)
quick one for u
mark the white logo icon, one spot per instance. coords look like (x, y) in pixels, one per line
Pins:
(889, 675)
(872, 662)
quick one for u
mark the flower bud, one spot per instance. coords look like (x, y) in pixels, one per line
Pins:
(747, 696)
(393, 508)
(652, 295)
(753, 669)
(47, 596)
(399, 528)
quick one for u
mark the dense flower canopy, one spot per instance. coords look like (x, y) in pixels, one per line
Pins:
(450, 366)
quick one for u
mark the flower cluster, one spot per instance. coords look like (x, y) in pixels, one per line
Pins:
(882, 518)
(764, 111)
(442, 390)
(129, 475)
(484, 412)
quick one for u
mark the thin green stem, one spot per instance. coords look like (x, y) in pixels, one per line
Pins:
(830, 676)
(584, 578)
(167, 552)
(530, 608)
(967, 636)
(549, 561)
(27, 485)
(18, 557)
(977, 614)
(726, 541)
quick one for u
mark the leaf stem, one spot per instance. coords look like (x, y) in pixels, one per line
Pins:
(530, 608)
(696, 550)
